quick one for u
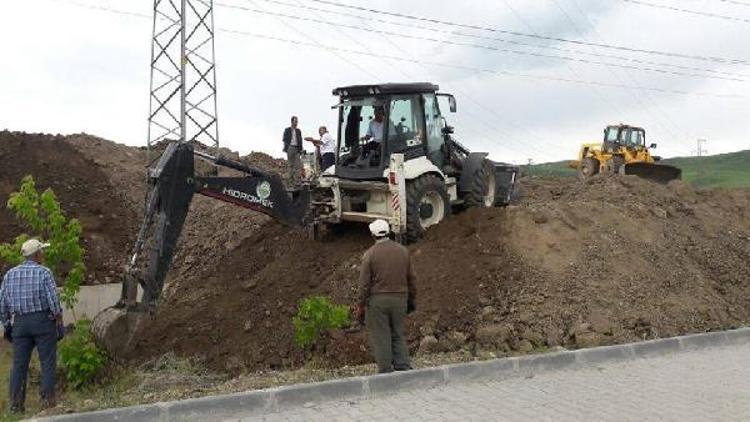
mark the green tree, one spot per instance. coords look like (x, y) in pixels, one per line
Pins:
(315, 316)
(41, 215)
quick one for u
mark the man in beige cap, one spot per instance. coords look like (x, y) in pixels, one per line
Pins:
(30, 310)
(386, 287)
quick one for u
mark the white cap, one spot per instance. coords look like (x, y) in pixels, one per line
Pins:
(32, 246)
(379, 228)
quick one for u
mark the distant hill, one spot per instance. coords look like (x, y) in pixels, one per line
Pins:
(721, 170)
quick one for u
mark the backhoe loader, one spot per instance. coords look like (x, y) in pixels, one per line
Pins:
(413, 177)
(623, 151)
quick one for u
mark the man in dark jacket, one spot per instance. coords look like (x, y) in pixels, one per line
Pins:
(293, 148)
(386, 287)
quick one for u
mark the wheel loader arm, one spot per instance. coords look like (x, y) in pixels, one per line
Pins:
(173, 183)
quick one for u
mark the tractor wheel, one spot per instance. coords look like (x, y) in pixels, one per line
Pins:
(588, 168)
(427, 204)
(482, 190)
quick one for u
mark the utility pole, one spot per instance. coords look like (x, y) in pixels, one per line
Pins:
(529, 163)
(182, 102)
(699, 151)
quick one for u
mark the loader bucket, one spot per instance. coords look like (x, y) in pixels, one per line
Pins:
(660, 173)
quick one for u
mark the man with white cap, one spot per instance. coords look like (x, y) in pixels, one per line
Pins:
(29, 306)
(386, 289)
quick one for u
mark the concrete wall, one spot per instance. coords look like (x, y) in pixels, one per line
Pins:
(93, 299)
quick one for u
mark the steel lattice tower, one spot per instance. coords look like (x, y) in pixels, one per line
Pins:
(183, 73)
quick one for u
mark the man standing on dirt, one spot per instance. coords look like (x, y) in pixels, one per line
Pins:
(293, 148)
(30, 310)
(386, 288)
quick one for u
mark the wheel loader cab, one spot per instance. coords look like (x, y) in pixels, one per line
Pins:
(376, 121)
(624, 136)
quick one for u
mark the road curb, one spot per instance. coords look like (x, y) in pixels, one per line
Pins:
(279, 398)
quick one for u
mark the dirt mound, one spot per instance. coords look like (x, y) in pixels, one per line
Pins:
(612, 260)
(83, 189)
(573, 264)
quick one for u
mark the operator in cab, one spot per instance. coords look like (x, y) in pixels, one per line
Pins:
(374, 131)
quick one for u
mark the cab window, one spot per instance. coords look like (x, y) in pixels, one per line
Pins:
(405, 123)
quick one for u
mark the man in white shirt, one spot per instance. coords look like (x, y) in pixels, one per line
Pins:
(327, 148)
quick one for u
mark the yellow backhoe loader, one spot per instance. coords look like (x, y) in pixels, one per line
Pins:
(623, 151)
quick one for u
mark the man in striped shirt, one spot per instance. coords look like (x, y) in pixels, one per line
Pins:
(30, 308)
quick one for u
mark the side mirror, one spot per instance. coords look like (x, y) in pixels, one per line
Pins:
(452, 103)
(652, 146)
(447, 130)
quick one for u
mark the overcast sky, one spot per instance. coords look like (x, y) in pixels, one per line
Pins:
(67, 68)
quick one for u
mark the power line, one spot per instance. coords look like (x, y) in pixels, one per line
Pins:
(307, 36)
(490, 71)
(438, 64)
(741, 3)
(522, 34)
(657, 111)
(502, 40)
(645, 95)
(688, 11)
(478, 46)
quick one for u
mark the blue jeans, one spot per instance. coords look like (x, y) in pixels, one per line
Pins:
(30, 330)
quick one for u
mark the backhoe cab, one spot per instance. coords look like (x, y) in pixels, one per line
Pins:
(397, 160)
(623, 151)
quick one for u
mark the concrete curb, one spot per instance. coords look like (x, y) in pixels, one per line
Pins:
(275, 399)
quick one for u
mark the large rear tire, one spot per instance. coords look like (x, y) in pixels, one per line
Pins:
(427, 204)
(588, 168)
(483, 189)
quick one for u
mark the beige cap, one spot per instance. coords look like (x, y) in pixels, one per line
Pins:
(379, 228)
(32, 246)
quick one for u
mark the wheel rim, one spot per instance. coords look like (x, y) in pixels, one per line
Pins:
(431, 200)
(489, 198)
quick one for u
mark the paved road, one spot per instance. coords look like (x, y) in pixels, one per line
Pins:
(704, 385)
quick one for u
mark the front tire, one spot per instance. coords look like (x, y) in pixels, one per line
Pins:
(427, 204)
(483, 188)
(588, 168)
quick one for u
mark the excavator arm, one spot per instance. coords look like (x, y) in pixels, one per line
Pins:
(173, 183)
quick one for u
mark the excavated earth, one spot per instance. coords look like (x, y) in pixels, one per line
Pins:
(572, 264)
(84, 189)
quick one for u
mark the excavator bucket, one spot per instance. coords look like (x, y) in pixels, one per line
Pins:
(660, 173)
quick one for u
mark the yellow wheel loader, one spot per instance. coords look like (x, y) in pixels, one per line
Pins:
(623, 151)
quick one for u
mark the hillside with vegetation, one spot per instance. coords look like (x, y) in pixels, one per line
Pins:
(722, 170)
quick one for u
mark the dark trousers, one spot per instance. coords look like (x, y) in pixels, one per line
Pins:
(385, 325)
(30, 330)
(295, 166)
(328, 159)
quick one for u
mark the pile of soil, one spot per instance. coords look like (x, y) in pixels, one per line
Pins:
(574, 265)
(84, 190)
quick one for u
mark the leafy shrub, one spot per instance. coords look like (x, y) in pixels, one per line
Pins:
(43, 217)
(315, 316)
(79, 355)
